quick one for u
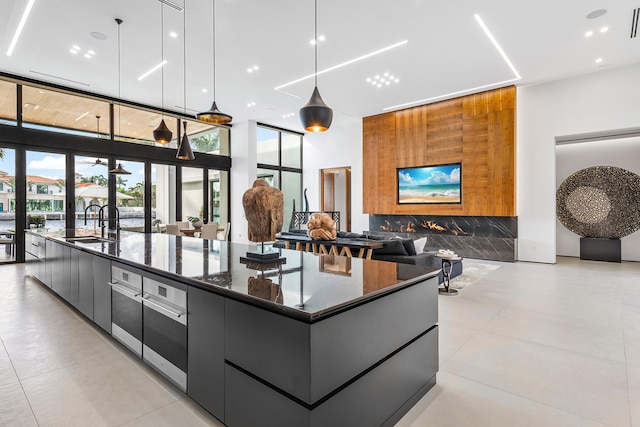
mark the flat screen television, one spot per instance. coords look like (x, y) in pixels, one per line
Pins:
(430, 184)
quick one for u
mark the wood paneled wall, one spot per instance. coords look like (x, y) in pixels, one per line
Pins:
(477, 130)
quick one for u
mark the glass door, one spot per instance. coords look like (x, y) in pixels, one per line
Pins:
(7, 205)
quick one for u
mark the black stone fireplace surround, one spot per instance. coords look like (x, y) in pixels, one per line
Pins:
(479, 237)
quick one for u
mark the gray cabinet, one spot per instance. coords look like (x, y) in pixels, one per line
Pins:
(206, 350)
(49, 263)
(85, 284)
(35, 256)
(57, 266)
(102, 293)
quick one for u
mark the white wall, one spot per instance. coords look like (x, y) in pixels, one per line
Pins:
(243, 173)
(623, 153)
(605, 100)
(340, 146)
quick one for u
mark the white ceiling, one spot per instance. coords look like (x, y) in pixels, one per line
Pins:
(446, 51)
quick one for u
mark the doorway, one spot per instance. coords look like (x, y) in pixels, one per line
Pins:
(335, 193)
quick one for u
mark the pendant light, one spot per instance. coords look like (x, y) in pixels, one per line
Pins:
(162, 134)
(184, 148)
(316, 116)
(119, 170)
(214, 115)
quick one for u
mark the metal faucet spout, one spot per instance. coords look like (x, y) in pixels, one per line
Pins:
(102, 219)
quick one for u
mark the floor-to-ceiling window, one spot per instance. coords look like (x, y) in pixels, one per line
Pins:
(192, 197)
(280, 164)
(46, 196)
(130, 196)
(163, 195)
(7, 204)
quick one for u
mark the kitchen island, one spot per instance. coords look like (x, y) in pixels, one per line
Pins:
(310, 341)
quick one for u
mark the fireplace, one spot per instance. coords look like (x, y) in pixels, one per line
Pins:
(479, 237)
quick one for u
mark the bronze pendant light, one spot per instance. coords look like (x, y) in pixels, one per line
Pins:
(119, 170)
(213, 115)
(184, 148)
(316, 116)
(162, 134)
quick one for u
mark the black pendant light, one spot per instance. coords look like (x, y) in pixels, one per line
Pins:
(213, 115)
(162, 134)
(316, 116)
(184, 148)
(119, 170)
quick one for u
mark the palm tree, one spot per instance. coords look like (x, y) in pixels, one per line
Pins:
(1, 153)
(206, 143)
(120, 182)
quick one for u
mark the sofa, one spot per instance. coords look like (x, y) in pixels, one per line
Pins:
(403, 251)
(398, 249)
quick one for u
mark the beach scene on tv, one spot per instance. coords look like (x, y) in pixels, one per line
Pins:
(429, 184)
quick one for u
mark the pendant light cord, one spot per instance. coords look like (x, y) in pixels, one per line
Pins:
(162, 54)
(184, 59)
(316, 41)
(119, 21)
(213, 20)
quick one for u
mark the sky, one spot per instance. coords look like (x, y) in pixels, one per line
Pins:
(430, 175)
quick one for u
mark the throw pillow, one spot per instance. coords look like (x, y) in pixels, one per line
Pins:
(391, 247)
(419, 244)
(408, 245)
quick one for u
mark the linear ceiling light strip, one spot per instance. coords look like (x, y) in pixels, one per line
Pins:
(335, 67)
(23, 20)
(473, 89)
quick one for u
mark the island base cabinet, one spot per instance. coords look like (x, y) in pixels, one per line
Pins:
(206, 351)
(102, 293)
(380, 397)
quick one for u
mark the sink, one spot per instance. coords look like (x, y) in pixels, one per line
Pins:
(89, 239)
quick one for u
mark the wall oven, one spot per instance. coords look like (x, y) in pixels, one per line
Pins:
(126, 308)
(165, 330)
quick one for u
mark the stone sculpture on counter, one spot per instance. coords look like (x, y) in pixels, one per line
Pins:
(264, 210)
(321, 227)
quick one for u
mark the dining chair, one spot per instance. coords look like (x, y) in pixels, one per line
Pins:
(174, 229)
(209, 231)
(225, 232)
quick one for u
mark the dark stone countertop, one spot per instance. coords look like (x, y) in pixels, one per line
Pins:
(307, 287)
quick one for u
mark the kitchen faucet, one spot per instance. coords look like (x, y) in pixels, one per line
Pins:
(102, 219)
(95, 205)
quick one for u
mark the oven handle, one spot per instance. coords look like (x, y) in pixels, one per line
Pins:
(146, 299)
(122, 289)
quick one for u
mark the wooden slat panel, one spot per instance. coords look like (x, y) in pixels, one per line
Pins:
(477, 130)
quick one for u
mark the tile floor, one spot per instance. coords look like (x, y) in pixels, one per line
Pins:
(527, 345)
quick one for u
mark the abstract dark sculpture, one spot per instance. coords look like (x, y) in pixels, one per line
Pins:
(264, 210)
(600, 202)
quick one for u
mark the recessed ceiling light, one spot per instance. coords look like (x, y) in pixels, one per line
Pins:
(173, 34)
(397, 80)
(37, 107)
(76, 47)
(596, 13)
(588, 34)
(249, 70)
(98, 36)
(321, 38)
(256, 68)
(73, 51)
(86, 55)
(379, 85)
(204, 90)
(81, 116)
(604, 29)
(598, 61)
(90, 52)
(251, 104)
(286, 116)
(368, 79)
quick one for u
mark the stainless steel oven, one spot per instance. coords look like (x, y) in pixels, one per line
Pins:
(165, 330)
(126, 308)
